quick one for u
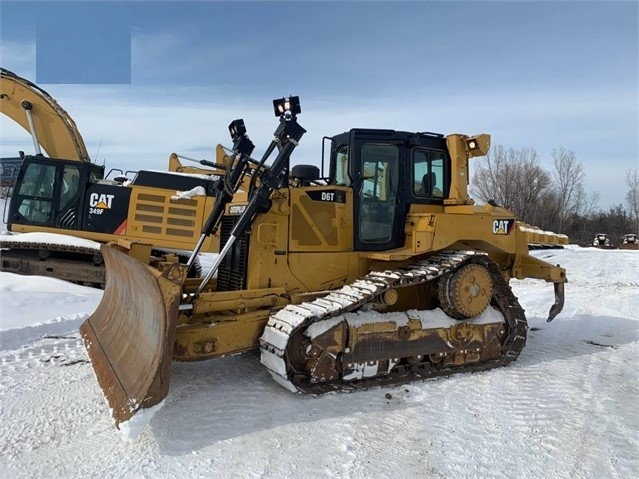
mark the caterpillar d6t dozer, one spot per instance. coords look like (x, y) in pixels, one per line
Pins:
(379, 272)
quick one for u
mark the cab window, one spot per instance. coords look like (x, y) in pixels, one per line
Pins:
(36, 192)
(342, 177)
(70, 185)
(378, 193)
(428, 173)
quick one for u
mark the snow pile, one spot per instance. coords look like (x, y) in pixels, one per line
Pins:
(131, 429)
(185, 195)
(51, 238)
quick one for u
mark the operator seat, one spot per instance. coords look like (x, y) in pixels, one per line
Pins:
(429, 186)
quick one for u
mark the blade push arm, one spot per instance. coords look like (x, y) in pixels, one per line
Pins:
(287, 137)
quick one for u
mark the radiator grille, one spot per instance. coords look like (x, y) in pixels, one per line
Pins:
(167, 218)
(231, 276)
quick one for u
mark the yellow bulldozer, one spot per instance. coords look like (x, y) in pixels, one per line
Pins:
(378, 271)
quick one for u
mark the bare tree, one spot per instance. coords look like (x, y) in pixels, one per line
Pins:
(531, 182)
(632, 196)
(513, 179)
(585, 208)
(569, 177)
(493, 180)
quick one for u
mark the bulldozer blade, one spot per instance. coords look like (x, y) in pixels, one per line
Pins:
(130, 336)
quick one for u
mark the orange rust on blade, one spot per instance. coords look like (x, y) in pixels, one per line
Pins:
(130, 336)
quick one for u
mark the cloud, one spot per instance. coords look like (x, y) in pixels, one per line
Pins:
(19, 57)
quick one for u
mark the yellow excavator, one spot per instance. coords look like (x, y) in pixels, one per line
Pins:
(160, 212)
(378, 271)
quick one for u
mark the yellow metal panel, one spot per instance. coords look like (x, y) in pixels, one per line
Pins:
(156, 218)
(320, 225)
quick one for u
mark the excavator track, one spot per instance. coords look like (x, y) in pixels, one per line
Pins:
(312, 347)
(75, 263)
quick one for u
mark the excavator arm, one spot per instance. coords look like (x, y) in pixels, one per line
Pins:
(37, 112)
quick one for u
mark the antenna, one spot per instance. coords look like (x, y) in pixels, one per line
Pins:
(98, 152)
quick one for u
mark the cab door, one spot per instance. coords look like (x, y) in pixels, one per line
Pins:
(380, 206)
(47, 193)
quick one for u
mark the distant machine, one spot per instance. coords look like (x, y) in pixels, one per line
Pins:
(601, 240)
(9, 169)
(630, 241)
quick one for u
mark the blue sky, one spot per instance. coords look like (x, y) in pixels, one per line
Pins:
(143, 79)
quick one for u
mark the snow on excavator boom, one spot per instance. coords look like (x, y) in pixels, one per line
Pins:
(313, 267)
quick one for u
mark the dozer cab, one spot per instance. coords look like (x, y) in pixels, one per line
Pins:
(378, 271)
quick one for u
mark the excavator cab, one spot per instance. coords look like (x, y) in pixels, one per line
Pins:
(50, 192)
(68, 196)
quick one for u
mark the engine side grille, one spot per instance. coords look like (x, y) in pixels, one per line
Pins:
(231, 275)
(163, 218)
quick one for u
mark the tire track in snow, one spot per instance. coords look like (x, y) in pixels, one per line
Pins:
(598, 422)
(486, 423)
(50, 350)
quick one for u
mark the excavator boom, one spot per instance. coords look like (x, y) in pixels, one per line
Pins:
(37, 112)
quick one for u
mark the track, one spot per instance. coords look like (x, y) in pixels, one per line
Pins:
(79, 264)
(291, 328)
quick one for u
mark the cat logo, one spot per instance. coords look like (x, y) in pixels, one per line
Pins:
(502, 227)
(100, 201)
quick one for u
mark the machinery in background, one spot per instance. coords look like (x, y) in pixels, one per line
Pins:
(602, 241)
(630, 241)
(540, 239)
(9, 168)
(161, 212)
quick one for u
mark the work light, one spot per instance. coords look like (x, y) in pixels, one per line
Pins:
(237, 129)
(287, 106)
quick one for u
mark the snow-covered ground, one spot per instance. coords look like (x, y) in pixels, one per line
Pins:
(566, 408)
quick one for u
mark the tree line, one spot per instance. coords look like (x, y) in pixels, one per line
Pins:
(554, 199)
